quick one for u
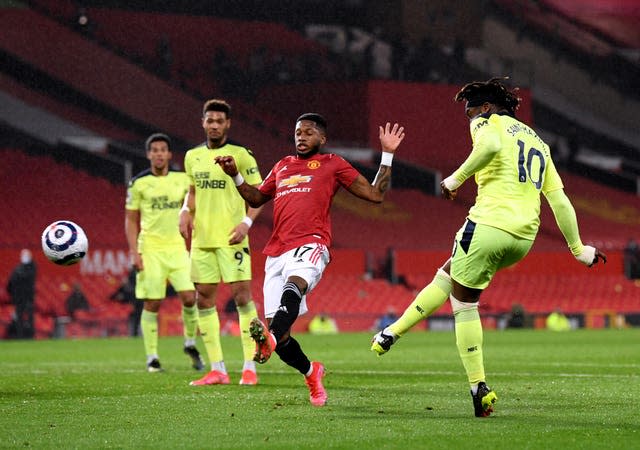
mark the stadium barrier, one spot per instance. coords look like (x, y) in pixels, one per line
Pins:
(594, 298)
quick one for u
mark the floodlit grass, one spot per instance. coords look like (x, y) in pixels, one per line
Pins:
(578, 389)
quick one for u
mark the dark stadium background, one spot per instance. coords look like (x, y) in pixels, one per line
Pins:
(84, 83)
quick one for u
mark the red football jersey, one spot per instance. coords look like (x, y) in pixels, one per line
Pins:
(302, 190)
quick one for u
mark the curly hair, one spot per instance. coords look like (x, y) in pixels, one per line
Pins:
(491, 91)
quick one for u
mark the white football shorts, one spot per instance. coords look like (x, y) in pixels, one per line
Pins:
(307, 262)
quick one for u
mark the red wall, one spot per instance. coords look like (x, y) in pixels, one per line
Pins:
(345, 106)
(437, 129)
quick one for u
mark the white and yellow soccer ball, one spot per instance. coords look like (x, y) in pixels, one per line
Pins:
(64, 242)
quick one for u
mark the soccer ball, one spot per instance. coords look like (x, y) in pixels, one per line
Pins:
(64, 242)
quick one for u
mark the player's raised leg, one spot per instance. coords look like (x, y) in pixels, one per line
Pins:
(282, 306)
(265, 341)
(283, 299)
(304, 267)
(430, 299)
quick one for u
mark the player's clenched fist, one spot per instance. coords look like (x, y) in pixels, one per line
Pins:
(228, 165)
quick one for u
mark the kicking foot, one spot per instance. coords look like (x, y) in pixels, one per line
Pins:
(265, 342)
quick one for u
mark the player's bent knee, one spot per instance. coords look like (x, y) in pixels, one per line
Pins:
(442, 274)
(291, 291)
(457, 305)
(299, 282)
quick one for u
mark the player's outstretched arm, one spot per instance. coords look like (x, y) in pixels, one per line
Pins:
(390, 139)
(487, 145)
(565, 216)
(251, 194)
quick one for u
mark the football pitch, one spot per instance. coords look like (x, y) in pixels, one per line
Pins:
(579, 389)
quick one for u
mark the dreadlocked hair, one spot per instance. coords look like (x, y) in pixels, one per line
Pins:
(492, 91)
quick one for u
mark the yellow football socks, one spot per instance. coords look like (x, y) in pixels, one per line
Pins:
(247, 313)
(426, 303)
(209, 324)
(149, 327)
(469, 342)
(190, 322)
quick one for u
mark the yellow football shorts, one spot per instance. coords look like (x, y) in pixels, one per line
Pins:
(228, 264)
(161, 266)
(480, 251)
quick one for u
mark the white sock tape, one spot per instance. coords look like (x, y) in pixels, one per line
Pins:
(457, 305)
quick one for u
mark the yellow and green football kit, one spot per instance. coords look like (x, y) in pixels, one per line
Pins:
(219, 208)
(512, 166)
(158, 200)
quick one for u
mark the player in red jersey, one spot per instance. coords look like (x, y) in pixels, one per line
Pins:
(302, 187)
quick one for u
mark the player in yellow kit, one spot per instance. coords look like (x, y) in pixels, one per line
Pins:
(512, 167)
(217, 219)
(157, 250)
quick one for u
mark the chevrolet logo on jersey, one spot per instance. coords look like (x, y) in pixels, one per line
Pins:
(295, 180)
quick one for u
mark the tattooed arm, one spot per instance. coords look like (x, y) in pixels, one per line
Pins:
(372, 192)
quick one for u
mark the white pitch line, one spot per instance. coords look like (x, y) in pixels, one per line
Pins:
(505, 374)
(395, 373)
(82, 368)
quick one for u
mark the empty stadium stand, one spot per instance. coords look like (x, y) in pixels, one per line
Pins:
(143, 100)
(66, 110)
(76, 62)
(43, 191)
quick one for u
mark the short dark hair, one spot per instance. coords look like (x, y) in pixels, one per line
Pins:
(216, 104)
(316, 118)
(491, 91)
(155, 137)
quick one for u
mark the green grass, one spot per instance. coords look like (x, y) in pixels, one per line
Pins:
(579, 389)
